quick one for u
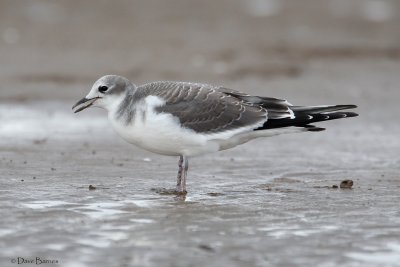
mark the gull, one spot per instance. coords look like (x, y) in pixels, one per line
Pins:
(188, 119)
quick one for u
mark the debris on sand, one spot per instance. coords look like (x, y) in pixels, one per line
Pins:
(335, 186)
(267, 187)
(280, 185)
(91, 187)
(39, 141)
(215, 194)
(165, 191)
(206, 248)
(346, 184)
(286, 180)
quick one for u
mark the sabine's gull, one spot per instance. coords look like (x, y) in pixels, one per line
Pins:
(188, 119)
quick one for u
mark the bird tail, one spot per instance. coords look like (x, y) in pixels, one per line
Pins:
(303, 116)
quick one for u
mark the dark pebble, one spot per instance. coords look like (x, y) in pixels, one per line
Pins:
(346, 184)
(214, 194)
(206, 248)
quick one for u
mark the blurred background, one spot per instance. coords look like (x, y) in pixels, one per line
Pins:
(250, 206)
(52, 50)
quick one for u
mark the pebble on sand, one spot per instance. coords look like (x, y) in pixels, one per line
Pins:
(346, 184)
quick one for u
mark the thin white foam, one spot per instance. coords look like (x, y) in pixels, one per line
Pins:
(104, 210)
(389, 254)
(145, 221)
(278, 232)
(45, 204)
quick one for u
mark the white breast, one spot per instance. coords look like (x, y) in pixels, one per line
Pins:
(161, 132)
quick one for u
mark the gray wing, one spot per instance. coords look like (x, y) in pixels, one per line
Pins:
(276, 108)
(206, 109)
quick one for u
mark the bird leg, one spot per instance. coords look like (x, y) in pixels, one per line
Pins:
(182, 174)
(180, 170)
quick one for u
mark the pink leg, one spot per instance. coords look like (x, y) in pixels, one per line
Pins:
(182, 174)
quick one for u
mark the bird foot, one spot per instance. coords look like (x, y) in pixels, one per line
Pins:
(171, 191)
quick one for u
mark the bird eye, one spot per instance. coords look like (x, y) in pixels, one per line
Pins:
(103, 88)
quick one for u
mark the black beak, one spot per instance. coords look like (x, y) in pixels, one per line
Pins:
(83, 101)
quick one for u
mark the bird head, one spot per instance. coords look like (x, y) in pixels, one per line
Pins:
(106, 93)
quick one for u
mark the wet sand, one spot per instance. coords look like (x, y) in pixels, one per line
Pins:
(270, 202)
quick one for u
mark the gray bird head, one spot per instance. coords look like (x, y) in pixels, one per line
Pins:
(107, 92)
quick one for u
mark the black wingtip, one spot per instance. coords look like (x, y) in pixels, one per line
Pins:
(350, 106)
(351, 114)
